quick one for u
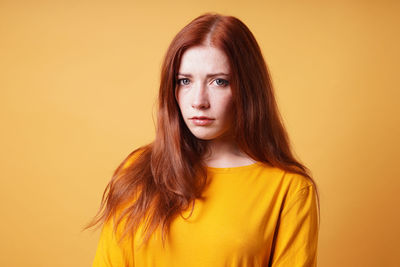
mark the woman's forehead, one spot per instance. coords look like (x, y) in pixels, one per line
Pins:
(202, 59)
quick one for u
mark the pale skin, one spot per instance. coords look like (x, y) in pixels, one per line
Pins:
(204, 91)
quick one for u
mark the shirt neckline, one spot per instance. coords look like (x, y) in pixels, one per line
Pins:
(233, 169)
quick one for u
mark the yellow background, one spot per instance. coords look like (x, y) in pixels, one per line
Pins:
(78, 83)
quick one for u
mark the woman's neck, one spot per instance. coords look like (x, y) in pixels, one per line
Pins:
(225, 153)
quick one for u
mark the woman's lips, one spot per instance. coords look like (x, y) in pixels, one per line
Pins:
(201, 121)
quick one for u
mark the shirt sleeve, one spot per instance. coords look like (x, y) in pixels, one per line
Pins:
(109, 253)
(297, 234)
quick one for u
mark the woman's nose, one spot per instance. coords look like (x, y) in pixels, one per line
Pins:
(200, 98)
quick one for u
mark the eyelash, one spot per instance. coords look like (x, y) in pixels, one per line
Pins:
(225, 82)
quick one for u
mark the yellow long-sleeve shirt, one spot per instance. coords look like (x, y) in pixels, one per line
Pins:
(254, 215)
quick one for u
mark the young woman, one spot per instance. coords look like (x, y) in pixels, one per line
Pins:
(219, 185)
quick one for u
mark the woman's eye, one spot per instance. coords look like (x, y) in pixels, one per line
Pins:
(183, 81)
(221, 82)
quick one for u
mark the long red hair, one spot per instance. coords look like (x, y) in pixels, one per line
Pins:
(169, 174)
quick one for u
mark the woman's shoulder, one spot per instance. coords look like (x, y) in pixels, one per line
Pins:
(298, 186)
(297, 181)
(291, 178)
(132, 157)
(287, 181)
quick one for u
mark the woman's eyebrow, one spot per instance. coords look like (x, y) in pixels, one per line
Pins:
(208, 75)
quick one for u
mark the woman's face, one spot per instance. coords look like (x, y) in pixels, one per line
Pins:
(204, 94)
